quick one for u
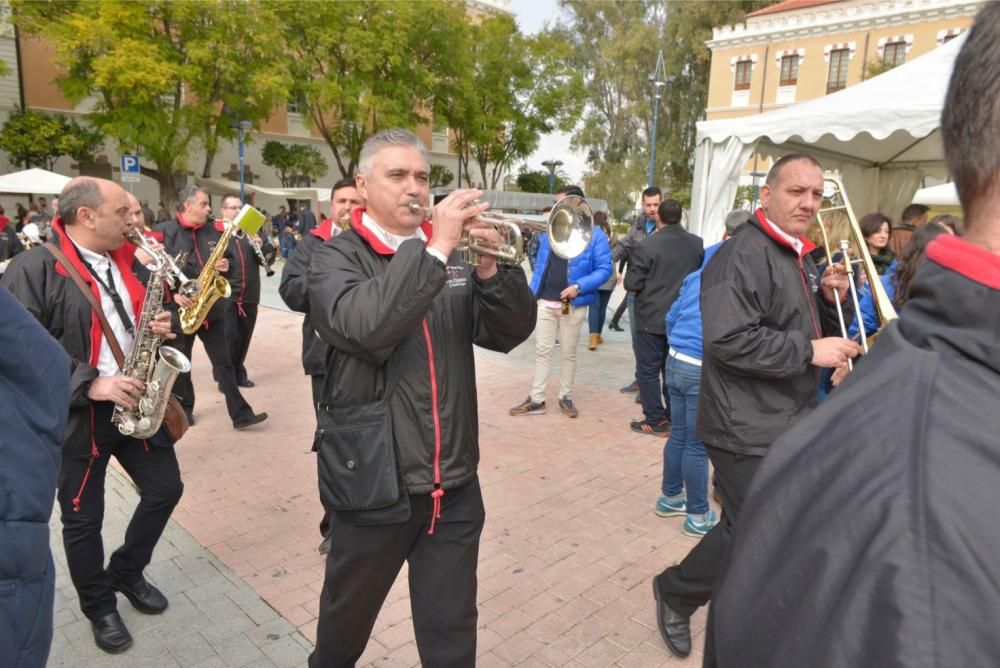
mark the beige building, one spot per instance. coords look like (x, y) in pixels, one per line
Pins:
(799, 50)
(30, 80)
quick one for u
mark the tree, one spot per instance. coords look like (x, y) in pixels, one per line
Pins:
(615, 46)
(364, 66)
(877, 66)
(295, 165)
(441, 176)
(160, 71)
(34, 139)
(514, 90)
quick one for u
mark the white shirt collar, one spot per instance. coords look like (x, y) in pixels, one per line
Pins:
(96, 260)
(391, 240)
(792, 241)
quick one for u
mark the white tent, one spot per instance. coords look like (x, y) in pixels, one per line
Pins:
(881, 134)
(942, 195)
(225, 186)
(34, 181)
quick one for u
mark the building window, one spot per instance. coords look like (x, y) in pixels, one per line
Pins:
(789, 70)
(894, 54)
(837, 76)
(297, 105)
(743, 71)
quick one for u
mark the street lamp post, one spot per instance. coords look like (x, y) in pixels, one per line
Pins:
(242, 127)
(756, 176)
(552, 165)
(658, 80)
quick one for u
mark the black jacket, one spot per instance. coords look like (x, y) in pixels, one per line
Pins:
(761, 307)
(294, 290)
(197, 244)
(10, 245)
(372, 307)
(656, 270)
(244, 274)
(44, 287)
(878, 547)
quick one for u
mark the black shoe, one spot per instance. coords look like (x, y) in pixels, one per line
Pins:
(246, 383)
(324, 547)
(631, 388)
(143, 596)
(249, 420)
(110, 633)
(615, 326)
(190, 418)
(675, 628)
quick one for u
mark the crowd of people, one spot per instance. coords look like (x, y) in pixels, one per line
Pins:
(835, 543)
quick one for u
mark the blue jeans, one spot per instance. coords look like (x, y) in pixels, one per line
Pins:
(685, 463)
(599, 311)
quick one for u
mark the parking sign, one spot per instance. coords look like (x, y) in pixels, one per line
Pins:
(130, 168)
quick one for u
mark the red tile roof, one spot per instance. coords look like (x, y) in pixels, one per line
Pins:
(789, 5)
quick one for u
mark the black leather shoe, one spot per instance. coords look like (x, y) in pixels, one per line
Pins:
(675, 628)
(249, 420)
(246, 383)
(615, 326)
(143, 596)
(110, 633)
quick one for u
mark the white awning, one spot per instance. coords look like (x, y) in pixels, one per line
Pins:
(34, 181)
(942, 195)
(225, 186)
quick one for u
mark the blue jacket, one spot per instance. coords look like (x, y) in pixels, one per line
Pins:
(684, 317)
(867, 304)
(590, 269)
(34, 406)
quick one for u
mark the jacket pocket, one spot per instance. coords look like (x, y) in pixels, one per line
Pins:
(357, 457)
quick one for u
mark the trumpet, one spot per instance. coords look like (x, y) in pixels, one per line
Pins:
(570, 227)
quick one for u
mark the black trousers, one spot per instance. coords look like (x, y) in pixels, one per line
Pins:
(81, 499)
(689, 585)
(650, 362)
(365, 560)
(317, 381)
(241, 320)
(214, 335)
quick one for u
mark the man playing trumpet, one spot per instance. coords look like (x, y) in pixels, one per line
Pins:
(401, 314)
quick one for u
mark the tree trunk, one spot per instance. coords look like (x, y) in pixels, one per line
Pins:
(168, 189)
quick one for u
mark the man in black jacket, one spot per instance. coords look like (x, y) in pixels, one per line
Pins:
(401, 314)
(89, 231)
(657, 268)
(244, 283)
(768, 323)
(294, 290)
(903, 569)
(188, 233)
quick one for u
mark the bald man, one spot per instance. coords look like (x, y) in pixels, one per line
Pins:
(89, 233)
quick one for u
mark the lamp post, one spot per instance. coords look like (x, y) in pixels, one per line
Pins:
(552, 165)
(242, 127)
(658, 80)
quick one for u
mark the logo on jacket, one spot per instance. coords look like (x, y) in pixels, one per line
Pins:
(813, 283)
(456, 277)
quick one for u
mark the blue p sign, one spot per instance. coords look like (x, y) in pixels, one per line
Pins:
(130, 168)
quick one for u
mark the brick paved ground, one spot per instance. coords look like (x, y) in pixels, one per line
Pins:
(568, 553)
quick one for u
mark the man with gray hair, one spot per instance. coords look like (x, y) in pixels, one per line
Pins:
(398, 425)
(189, 234)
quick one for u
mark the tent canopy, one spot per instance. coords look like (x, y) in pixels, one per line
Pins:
(942, 195)
(881, 134)
(225, 186)
(33, 181)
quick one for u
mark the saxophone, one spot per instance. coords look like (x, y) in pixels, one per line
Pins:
(213, 285)
(157, 372)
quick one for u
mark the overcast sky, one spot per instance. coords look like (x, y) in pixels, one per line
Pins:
(531, 16)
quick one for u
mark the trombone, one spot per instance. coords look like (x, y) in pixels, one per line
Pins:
(836, 195)
(570, 227)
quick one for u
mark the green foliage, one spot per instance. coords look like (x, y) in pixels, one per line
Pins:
(38, 140)
(745, 195)
(538, 181)
(615, 46)
(877, 66)
(363, 66)
(296, 165)
(161, 72)
(512, 89)
(441, 176)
